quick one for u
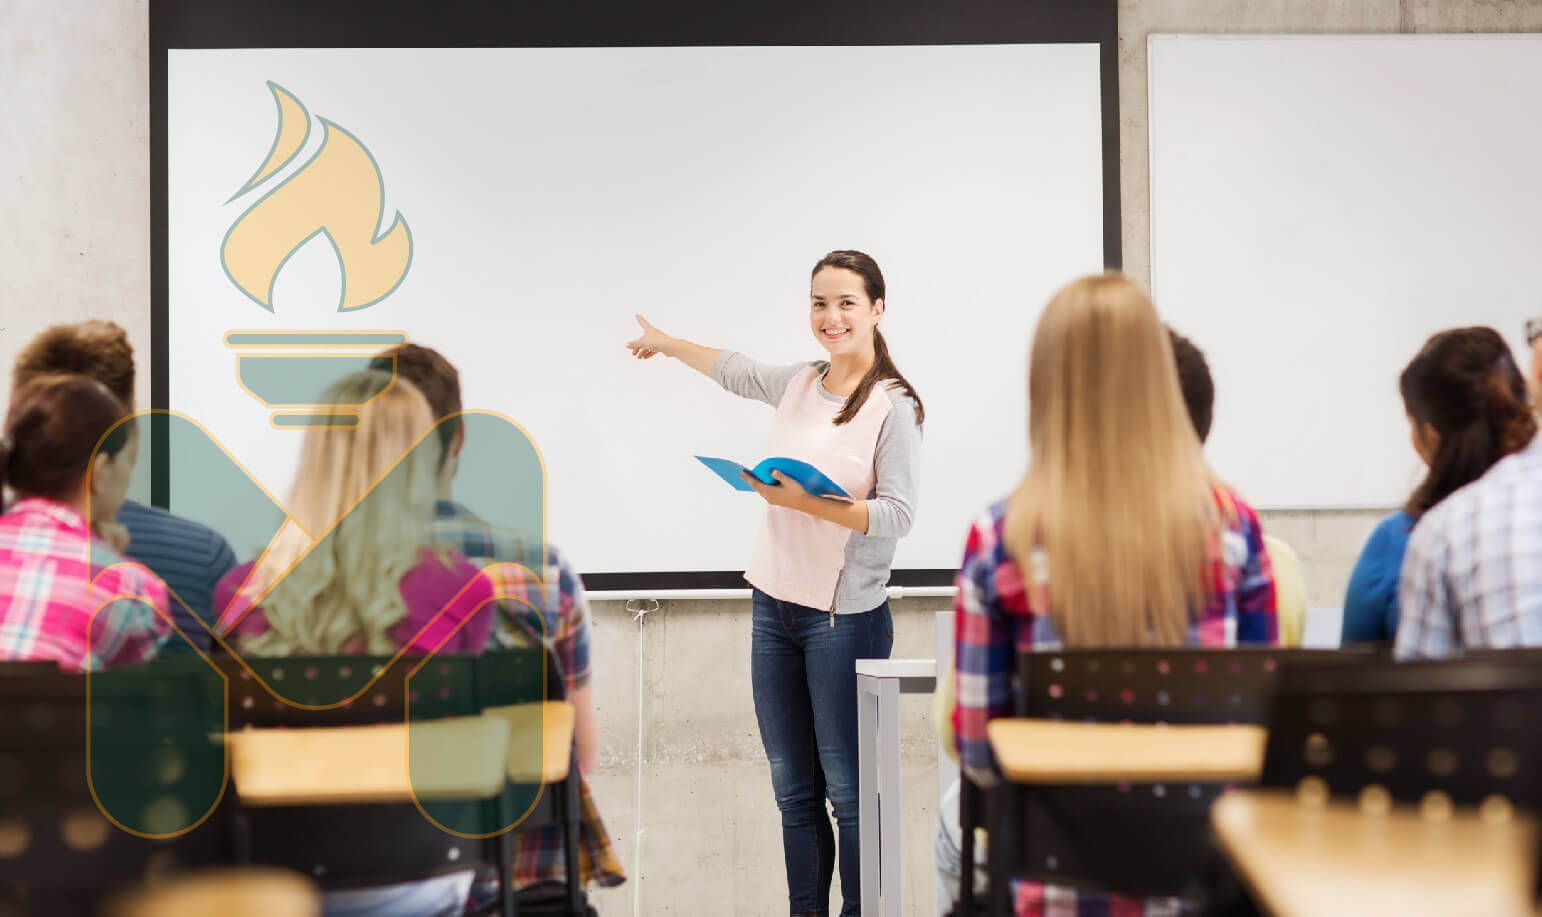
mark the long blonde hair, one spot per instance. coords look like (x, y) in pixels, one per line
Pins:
(346, 590)
(1117, 492)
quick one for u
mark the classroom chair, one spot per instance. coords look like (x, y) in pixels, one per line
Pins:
(1113, 761)
(1466, 728)
(105, 780)
(417, 773)
(1396, 787)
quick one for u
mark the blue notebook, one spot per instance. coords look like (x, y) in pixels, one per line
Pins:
(812, 479)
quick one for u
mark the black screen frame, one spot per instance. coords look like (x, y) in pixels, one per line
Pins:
(201, 24)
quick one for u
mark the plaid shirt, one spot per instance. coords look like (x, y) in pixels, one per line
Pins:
(546, 604)
(546, 597)
(998, 613)
(1472, 574)
(54, 576)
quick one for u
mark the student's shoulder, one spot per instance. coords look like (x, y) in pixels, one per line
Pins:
(902, 406)
(441, 575)
(1392, 531)
(167, 526)
(986, 538)
(116, 573)
(1238, 512)
(234, 577)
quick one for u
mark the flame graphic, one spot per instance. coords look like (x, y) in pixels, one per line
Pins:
(339, 194)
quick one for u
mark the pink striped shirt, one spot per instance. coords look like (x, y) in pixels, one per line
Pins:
(67, 597)
(459, 590)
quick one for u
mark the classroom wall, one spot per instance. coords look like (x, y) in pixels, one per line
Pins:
(673, 690)
(1327, 542)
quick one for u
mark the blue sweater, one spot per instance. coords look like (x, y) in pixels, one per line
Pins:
(189, 557)
(1370, 605)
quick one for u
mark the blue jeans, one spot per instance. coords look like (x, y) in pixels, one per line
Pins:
(802, 667)
(441, 896)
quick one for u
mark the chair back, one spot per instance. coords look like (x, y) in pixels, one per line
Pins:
(344, 845)
(105, 779)
(1459, 731)
(1141, 839)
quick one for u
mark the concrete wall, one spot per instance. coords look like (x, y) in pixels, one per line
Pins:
(74, 178)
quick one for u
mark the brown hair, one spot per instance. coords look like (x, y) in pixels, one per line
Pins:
(436, 378)
(1194, 381)
(865, 267)
(52, 431)
(1464, 383)
(100, 350)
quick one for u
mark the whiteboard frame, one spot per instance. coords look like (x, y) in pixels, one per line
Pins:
(192, 24)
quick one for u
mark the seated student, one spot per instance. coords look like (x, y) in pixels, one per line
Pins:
(189, 557)
(1199, 397)
(1472, 572)
(376, 583)
(54, 571)
(557, 614)
(382, 582)
(1118, 535)
(1466, 406)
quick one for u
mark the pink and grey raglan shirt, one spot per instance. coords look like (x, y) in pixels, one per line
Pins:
(877, 455)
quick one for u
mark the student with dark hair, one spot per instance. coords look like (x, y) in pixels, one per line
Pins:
(821, 567)
(1199, 397)
(190, 558)
(554, 612)
(1194, 381)
(66, 454)
(1466, 406)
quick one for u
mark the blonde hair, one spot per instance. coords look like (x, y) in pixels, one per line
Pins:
(1117, 492)
(367, 493)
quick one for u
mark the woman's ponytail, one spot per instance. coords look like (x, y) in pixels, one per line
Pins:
(1511, 419)
(883, 368)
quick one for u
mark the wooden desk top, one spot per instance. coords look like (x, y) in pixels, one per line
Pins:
(1053, 751)
(527, 761)
(456, 758)
(1333, 859)
(252, 891)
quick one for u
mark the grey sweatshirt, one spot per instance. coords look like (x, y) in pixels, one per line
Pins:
(864, 572)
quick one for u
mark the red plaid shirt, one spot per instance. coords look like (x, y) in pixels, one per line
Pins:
(67, 597)
(1002, 610)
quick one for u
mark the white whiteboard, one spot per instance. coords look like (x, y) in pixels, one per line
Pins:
(1319, 207)
(552, 193)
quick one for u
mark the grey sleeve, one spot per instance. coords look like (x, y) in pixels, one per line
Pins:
(891, 509)
(752, 379)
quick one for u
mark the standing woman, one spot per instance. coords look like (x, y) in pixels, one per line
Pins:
(821, 567)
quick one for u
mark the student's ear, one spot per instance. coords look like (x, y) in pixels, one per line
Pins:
(877, 309)
(97, 468)
(460, 438)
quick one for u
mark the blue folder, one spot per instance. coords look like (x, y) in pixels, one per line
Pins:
(812, 479)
